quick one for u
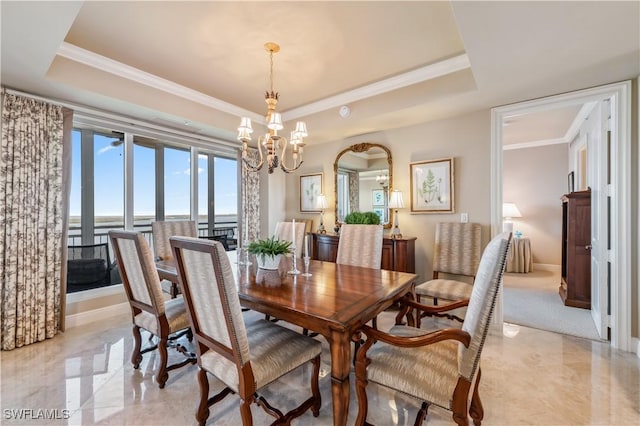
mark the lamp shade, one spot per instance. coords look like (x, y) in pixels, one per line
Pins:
(321, 202)
(510, 210)
(395, 200)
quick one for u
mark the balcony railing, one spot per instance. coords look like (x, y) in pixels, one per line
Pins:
(101, 235)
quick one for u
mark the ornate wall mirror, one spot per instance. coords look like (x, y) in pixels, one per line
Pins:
(363, 176)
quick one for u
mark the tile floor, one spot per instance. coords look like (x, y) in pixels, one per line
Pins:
(529, 377)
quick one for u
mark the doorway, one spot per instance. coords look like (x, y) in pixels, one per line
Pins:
(619, 189)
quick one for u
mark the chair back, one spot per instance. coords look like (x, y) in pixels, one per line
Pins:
(308, 224)
(360, 245)
(138, 272)
(210, 294)
(161, 231)
(283, 232)
(457, 248)
(482, 302)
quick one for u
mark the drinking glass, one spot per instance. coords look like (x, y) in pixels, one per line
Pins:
(306, 261)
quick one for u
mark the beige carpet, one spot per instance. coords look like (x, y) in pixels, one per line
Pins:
(532, 300)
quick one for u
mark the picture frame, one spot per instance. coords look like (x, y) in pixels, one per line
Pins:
(310, 188)
(432, 186)
(380, 212)
(377, 197)
(571, 182)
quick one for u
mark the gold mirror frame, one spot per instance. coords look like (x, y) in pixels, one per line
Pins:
(362, 147)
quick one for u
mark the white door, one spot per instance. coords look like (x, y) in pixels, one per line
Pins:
(598, 160)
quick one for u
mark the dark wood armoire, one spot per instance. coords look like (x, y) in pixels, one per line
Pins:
(575, 285)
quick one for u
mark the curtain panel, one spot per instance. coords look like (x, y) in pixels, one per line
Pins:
(250, 199)
(354, 192)
(31, 220)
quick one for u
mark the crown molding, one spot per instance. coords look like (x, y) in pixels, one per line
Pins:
(419, 75)
(94, 60)
(534, 144)
(570, 134)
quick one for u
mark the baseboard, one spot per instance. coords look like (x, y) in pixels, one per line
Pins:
(99, 314)
(635, 343)
(546, 267)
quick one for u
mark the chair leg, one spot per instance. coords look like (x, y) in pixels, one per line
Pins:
(162, 374)
(476, 410)
(245, 412)
(361, 392)
(203, 408)
(315, 387)
(136, 356)
(422, 414)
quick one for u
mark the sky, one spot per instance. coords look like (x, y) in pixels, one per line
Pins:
(109, 180)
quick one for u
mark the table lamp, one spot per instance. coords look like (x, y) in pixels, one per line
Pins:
(509, 211)
(395, 202)
(321, 203)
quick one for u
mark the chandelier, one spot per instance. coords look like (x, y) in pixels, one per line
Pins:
(271, 142)
(382, 179)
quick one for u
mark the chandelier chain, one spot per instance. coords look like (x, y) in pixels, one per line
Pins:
(271, 69)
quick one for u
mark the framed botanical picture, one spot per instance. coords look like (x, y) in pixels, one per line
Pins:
(377, 197)
(380, 212)
(310, 188)
(432, 186)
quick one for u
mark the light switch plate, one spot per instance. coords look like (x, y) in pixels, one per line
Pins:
(464, 217)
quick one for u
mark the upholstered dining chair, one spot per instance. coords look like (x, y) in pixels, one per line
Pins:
(456, 252)
(284, 231)
(360, 245)
(440, 367)
(161, 231)
(167, 321)
(245, 358)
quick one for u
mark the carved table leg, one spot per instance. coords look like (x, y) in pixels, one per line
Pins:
(340, 345)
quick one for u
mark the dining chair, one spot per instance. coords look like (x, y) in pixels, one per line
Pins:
(440, 367)
(284, 231)
(161, 231)
(167, 320)
(456, 252)
(245, 358)
(360, 245)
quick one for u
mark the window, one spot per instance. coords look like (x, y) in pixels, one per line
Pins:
(177, 184)
(108, 181)
(144, 184)
(161, 189)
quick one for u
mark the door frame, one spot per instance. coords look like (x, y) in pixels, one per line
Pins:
(620, 254)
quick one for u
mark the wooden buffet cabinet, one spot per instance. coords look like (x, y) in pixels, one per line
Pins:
(575, 283)
(397, 254)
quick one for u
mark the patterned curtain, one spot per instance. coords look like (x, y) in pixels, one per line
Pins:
(31, 220)
(354, 192)
(250, 199)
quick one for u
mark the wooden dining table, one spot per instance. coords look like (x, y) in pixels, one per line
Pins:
(335, 301)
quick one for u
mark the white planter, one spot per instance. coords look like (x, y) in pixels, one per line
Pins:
(268, 262)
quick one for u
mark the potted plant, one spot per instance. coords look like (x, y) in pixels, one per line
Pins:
(269, 251)
(362, 218)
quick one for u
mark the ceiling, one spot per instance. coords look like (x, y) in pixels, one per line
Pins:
(199, 66)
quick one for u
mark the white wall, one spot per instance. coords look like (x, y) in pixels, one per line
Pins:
(535, 179)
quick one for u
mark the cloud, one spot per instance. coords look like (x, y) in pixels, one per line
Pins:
(187, 171)
(106, 148)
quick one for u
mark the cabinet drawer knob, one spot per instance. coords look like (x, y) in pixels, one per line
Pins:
(587, 247)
